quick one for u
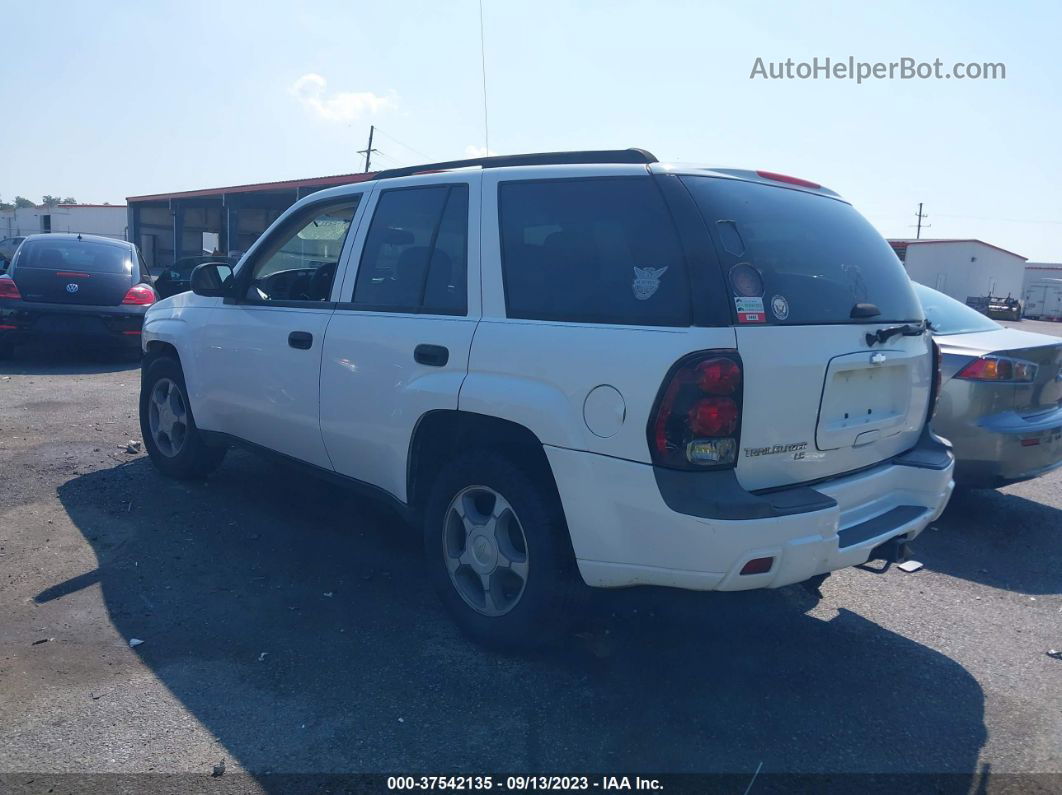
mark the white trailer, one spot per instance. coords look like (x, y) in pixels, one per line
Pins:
(1043, 299)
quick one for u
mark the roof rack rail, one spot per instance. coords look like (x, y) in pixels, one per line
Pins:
(534, 159)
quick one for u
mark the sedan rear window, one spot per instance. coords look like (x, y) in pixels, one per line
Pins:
(948, 316)
(75, 255)
(796, 258)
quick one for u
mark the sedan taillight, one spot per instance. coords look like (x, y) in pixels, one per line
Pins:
(139, 295)
(696, 421)
(934, 390)
(1000, 369)
(8, 288)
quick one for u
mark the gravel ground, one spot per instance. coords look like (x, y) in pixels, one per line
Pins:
(287, 628)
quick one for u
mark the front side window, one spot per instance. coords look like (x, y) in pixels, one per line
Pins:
(416, 252)
(601, 250)
(299, 262)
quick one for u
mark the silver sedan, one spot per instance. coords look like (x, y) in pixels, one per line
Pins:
(1001, 395)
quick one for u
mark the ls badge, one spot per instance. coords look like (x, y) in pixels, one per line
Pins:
(647, 281)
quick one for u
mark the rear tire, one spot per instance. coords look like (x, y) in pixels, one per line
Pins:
(170, 435)
(498, 552)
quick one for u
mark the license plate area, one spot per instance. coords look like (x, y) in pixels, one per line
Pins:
(862, 402)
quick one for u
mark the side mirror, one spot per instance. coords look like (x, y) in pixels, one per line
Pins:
(212, 279)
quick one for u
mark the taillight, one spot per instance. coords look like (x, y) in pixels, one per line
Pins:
(139, 295)
(998, 368)
(934, 390)
(696, 421)
(8, 288)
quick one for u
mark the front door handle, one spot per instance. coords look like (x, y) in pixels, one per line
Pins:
(301, 340)
(431, 355)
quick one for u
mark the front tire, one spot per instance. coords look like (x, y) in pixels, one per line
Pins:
(170, 435)
(498, 552)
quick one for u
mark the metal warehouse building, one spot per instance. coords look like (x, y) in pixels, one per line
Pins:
(962, 268)
(168, 226)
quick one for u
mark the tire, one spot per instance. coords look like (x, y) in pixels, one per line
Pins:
(179, 453)
(515, 616)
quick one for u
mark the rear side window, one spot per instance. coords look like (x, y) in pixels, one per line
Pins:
(77, 255)
(799, 258)
(601, 250)
(416, 252)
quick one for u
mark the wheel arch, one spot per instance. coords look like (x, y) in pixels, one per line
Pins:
(442, 434)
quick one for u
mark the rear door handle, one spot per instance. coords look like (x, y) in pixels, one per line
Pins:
(301, 340)
(431, 355)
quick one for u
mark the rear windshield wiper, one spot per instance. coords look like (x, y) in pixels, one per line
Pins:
(883, 335)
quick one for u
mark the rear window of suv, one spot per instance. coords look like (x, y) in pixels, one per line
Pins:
(75, 255)
(815, 256)
(599, 250)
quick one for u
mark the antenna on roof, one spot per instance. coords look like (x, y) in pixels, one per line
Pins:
(483, 70)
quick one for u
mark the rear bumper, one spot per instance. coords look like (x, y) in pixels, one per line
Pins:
(109, 325)
(1005, 448)
(625, 532)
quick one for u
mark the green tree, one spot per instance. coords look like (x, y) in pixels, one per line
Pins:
(22, 201)
(49, 201)
(69, 200)
(6, 205)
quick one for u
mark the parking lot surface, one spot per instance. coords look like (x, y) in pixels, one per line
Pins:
(287, 627)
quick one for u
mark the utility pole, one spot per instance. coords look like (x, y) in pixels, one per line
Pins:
(368, 150)
(919, 215)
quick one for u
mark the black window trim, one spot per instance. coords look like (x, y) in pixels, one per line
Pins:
(584, 319)
(242, 277)
(415, 310)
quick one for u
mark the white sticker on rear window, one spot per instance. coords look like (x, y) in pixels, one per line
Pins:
(749, 310)
(646, 281)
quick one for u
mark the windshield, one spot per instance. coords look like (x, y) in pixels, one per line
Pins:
(795, 258)
(75, 255)
(948, 316)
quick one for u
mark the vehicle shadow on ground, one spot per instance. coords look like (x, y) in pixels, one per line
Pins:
(45, 359)
(998, 539)
(293, 620)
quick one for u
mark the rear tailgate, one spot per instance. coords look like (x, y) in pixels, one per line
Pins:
(71, 271)
(811, 284)
(829, 404)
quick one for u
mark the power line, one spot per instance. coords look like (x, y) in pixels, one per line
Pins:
(388, 157)
(483, 69)
(1006, 220)
(404, 145)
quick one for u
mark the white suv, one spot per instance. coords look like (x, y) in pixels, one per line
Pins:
(584, 362)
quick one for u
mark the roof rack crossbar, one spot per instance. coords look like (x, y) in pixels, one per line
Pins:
(533, 159)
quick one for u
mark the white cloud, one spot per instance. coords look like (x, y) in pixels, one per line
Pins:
(311, 91)
(479, 151)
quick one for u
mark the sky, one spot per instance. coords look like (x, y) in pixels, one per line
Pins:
(105, 100)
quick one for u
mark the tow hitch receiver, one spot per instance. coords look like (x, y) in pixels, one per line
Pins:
(892, 551)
